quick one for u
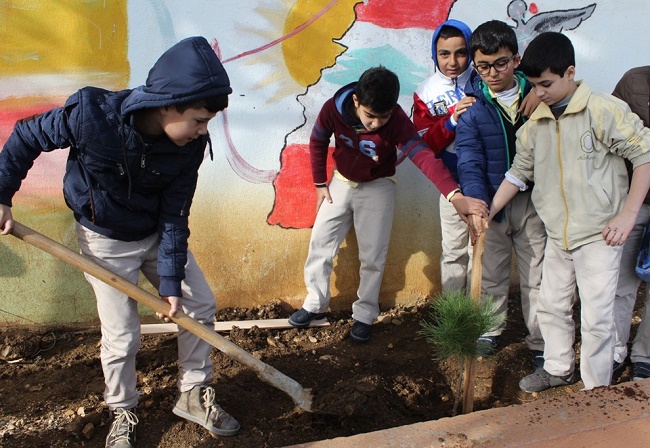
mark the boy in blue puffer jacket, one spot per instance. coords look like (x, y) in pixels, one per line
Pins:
(130, 178)
(485, 145)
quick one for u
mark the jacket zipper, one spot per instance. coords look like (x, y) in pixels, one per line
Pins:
(562, 190)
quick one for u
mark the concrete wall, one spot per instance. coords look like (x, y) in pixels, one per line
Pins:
(254, 206)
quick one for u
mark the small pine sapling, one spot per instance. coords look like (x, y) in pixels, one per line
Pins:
(455, 323)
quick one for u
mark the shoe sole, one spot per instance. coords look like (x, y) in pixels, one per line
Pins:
(358, 339)
(299, 325)
(570, 382)
(209, 427)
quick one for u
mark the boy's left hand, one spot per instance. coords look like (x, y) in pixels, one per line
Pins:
(462, 106)
(175, 304)
(618, 228)
(477, 225)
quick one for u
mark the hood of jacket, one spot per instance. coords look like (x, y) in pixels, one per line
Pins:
(188, 71)
(342, 98)
(467, 33)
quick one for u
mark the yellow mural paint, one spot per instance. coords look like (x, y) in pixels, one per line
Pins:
(316, 24)
(64, 36)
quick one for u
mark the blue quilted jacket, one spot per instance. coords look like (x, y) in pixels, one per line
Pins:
(116, 182)
(481, 143)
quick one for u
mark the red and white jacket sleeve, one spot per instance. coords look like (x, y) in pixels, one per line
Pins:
(439, 132)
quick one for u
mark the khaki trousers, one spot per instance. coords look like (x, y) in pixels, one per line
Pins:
(120, 321)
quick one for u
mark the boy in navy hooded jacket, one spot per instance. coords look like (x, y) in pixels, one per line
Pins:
(130, 178)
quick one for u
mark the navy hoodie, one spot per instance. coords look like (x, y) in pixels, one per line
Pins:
(117, 183)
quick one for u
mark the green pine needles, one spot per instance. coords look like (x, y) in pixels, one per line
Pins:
(456, 322)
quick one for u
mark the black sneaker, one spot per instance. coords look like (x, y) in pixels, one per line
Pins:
(617, 366)
(302, 318)
(640, 371)
(360, 332)
(542, 380)
(617, 369)
(487, 345)
(537, 359)
(122, 432)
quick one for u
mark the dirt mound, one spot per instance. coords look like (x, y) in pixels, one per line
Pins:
(51, 391)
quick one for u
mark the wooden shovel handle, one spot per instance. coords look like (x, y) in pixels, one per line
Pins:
(475, 294)
(477, 268)
(300, 396)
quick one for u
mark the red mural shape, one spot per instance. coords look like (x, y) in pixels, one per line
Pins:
(9, 116)
(295, 195)
(404, 13)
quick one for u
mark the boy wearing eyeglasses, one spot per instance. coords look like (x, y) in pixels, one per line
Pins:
(575, 146)
(485, 146)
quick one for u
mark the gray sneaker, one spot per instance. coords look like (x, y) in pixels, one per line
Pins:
(122, 432)
(198, 406)
(542, 380)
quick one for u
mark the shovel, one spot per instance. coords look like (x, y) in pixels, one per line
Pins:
(300, 396)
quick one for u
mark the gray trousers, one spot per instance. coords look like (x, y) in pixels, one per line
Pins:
(628, 285)
(521, 230)
(120, 321)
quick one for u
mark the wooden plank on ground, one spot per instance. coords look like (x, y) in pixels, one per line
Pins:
(272, 324)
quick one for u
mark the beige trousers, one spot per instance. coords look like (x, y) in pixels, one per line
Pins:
(594, 268)
(456, 256)
(369, 207)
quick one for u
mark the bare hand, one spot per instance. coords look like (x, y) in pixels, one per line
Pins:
(618, 228)
(465, 205)
(175, 307)
(6, 220)
(462, 106)
(529, 104)
(477, 225)
(322, 194)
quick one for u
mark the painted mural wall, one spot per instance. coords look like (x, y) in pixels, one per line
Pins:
(255, 202)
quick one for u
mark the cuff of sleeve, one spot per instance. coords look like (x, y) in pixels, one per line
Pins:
(452, 193)
(170, 286)
(516, 182)
(450, 124)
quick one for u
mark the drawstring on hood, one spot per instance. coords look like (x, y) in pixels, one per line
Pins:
(467, 33)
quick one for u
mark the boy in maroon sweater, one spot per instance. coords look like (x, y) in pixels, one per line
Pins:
(368, 126)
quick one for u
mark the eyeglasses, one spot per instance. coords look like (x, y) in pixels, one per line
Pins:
(500, 65)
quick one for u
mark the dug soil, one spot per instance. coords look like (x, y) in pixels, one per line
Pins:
(51, 382)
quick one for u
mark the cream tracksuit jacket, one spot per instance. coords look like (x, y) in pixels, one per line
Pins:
(576, 163)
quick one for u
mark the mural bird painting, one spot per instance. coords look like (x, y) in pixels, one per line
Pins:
(558, 20)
